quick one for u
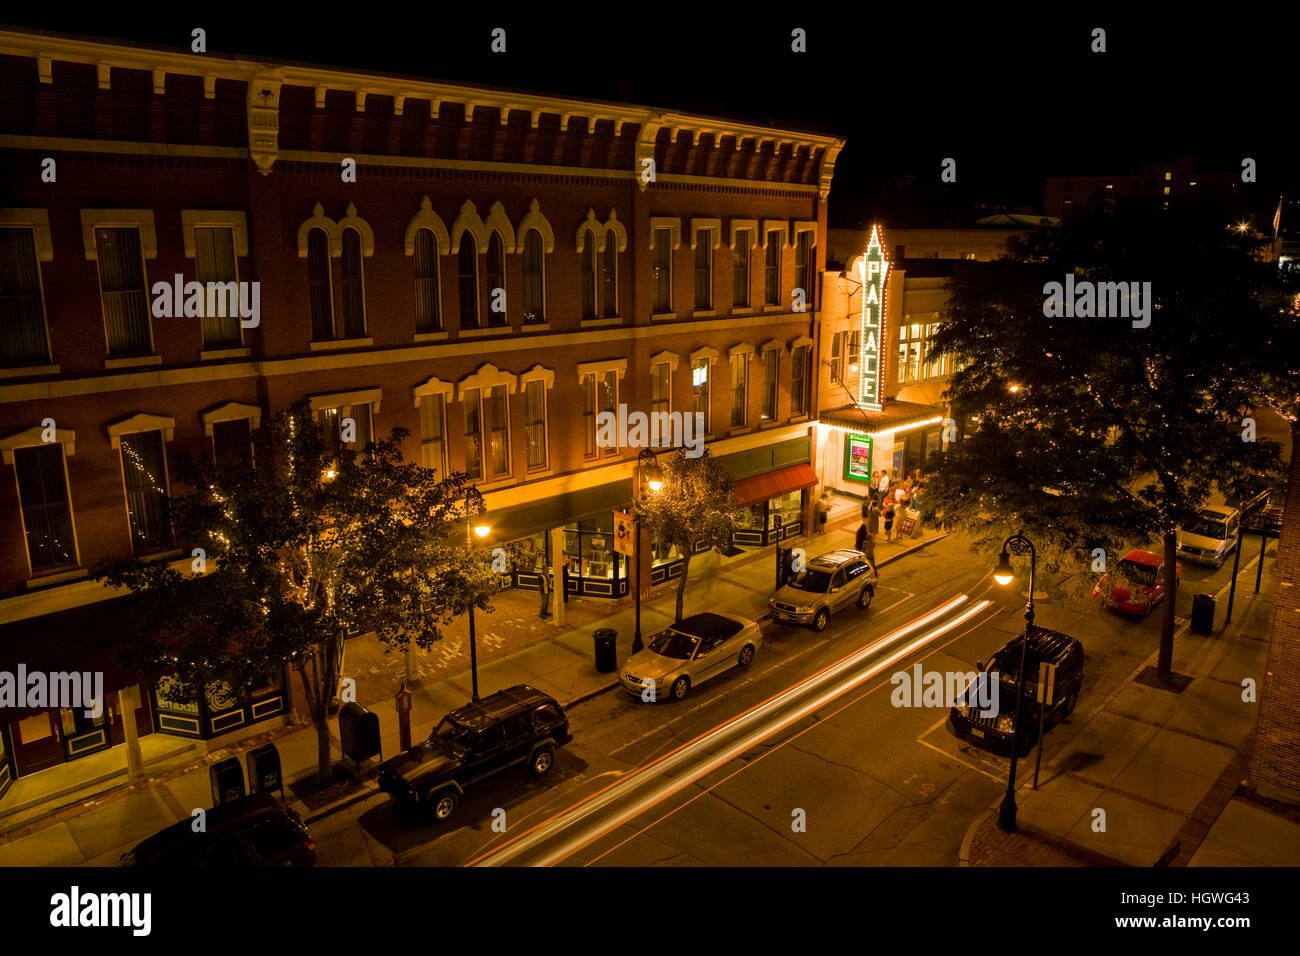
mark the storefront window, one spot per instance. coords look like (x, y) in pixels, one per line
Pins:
(751, 517)
(589, 546)
(788, 506)
(664, 552)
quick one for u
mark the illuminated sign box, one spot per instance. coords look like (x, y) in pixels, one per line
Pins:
(857, 457)
(872, 270)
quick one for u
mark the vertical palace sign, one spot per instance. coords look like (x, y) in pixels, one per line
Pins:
(872, 269)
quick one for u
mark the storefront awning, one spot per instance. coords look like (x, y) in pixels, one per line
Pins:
(509, 524)
(774, 483)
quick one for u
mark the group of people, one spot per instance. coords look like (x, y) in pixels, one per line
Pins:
(890, 496)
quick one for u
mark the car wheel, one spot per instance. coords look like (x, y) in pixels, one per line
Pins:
(444, 804)
(680, 687)
(746, 655)
(865, 596)
(821, 620)
(541, 761)
(1068, 707)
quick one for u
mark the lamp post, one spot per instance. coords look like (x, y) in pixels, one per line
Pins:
(646, 457)
(473, 499)
(1017, 544)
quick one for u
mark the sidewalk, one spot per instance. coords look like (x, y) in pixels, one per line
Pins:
(97, 814)
(1165, 768)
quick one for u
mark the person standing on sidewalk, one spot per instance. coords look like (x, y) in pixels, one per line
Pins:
(823, 510)
(860, 539)
(888, 510)
(872, 492)
(545, 611)
(882, 486)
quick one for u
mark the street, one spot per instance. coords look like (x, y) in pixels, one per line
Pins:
(799, 760)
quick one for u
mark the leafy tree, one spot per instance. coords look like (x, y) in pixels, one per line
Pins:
(1093, 433)
(311, 545)
(694, 506)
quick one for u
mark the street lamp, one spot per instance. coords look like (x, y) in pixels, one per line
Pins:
(654, 481)
(473, 499)
(1017, 544)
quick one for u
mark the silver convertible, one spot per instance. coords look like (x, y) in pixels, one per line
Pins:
(687, 654)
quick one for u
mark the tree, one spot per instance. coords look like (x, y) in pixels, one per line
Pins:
(313, 544)
(1096, 432)
(693, 507)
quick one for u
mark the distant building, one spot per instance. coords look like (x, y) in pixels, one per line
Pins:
(1185, 177)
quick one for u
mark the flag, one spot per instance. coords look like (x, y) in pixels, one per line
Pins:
(1277, 217)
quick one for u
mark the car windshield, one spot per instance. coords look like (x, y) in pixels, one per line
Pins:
(1141, 573)
(810, 579)
(452, 735)
(674, 644)
(1208, 528)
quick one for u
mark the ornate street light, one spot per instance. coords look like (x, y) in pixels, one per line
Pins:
(474, 501)
(1016, 544)
(647, 470)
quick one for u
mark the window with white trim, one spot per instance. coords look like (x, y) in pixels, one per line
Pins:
(428, 305)
(588, 274)
(123, 291)
(804, 268)
(609, 275)
(704, 269)
(354, 286)
(771, 368)
(740, 269)
(319, 285)
(45, 506)
(772, 268)
(837, 356)
(467, 281)
(433, 430)
(700, 391)
(496, 279)
(663, 271)
(496, 417)
(739, 389)
(534, 277)
(23, 335)
(232, 441)
(535, 422)
(345, 425)
(214, 261)
(800, 368)
(144, 472)
(473, 432)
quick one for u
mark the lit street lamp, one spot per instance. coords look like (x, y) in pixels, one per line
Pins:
(1018, 544)
(654, 482)
(473, 498)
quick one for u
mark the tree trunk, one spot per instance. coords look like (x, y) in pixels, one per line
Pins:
(681, 585)
(1165, 662)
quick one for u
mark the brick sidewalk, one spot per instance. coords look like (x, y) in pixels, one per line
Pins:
(1029, 846)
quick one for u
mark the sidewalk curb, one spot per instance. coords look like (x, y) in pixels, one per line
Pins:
(963, 855)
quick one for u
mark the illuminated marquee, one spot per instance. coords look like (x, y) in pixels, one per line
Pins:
(872, 269)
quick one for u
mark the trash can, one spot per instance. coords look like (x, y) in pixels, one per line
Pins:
(358, 733)
(227, 778)
(1202, 613)
(606, 654)
(264, 769)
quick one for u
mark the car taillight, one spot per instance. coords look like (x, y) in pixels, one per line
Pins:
(566, 725)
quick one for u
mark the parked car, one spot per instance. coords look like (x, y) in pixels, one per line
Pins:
(1212, 537)
(686, 655)
(827, 583)
(1138, 584)
(994, 732)
(516, 726)
(253, 831)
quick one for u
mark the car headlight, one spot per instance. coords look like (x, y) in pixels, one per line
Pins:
(1006, 724)
(804, 608)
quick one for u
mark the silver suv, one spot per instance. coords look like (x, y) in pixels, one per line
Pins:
(826, 584)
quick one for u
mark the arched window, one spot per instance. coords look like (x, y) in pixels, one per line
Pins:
(467, 285)
(428, 314)
(534, 278)
(588, 274)
(609, 276)
(496, 279)
(354, 291)
(318, 277)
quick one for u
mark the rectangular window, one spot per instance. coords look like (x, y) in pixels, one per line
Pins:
(609, 276)
(232, 442)
(535, 423)
(498, 424)
(145, 471)
(663, 271)
(740, 270)
(910, 343)
(739, 389)
(121, 286)
(700, 386)
(433, 447)
(589, 415)
(799, 379)
(47, 513)
(22, 308)
(346, 425)
(852, 355)
(837, 348)
(771, 364)
(608, 399)
(772, 272)
(704, 269)
(428, 315)
(803, 267)
(588, 274)
(214, 261)
(473, 433)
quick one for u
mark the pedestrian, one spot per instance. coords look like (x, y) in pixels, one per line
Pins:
(873, 523)
(869, 549)
(882, 486)
(888, 514)
(545, 611)
(872, 492)
(869, 505)
(823, 510)
(860, 539)
(900, 507)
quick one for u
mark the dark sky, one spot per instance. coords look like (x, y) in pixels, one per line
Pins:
(1012, 97)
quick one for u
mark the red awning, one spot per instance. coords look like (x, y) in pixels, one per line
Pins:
(762, 487)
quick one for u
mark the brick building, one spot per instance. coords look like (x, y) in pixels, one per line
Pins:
(488, 269)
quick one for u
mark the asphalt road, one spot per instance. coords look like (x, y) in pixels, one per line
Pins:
(801, 759)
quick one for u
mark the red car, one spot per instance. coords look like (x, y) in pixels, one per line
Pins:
(1138, 584)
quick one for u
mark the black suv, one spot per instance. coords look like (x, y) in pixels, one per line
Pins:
(994, 732)
(519, 725)
(257, 830)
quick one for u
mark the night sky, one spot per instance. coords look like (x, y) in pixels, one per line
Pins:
(1011, 98)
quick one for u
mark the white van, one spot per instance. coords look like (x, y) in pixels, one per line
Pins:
(1212, 537)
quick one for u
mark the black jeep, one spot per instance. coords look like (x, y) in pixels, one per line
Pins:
(519, 725)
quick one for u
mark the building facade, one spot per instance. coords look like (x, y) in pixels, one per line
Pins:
(488, 269)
